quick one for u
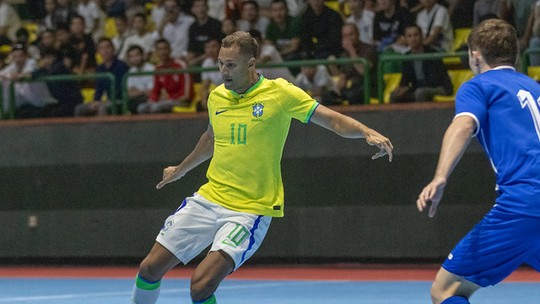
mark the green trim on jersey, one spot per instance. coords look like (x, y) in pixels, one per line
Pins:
(250, 130)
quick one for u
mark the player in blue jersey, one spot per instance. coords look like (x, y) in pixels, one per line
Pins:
(501, 107)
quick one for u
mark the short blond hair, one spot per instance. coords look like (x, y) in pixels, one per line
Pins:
(247, 44)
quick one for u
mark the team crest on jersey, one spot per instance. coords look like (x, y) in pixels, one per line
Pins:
(258, 110)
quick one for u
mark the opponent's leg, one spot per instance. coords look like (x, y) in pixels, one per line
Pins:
(208, 275)
(449, 288)
(156, 264)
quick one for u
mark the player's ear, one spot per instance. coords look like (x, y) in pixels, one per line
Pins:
(251, 63)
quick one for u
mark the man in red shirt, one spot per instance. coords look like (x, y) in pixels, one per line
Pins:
(170, 90)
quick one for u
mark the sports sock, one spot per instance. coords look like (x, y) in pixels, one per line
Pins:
(145, 292)
(211, 300)
(456, 300)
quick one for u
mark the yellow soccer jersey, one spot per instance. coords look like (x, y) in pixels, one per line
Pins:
(249, 134)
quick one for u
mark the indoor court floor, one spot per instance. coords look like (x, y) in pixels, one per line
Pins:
(257, 284)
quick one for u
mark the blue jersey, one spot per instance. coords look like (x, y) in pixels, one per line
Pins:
(506, 107)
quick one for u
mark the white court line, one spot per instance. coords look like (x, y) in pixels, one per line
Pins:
(114, 294)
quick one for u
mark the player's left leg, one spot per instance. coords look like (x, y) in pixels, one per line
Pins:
(208, 275)
(449, 288)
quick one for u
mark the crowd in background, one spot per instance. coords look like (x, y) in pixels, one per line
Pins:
(121, 36)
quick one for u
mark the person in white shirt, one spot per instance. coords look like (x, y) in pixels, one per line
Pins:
(9, 20)
(362, 18)
(175, 28)
(139, 87)
(209, 79)
(140, 36)
(94, 18)
(251, 19)
(268, 53)
(316, 81)
(434, 20)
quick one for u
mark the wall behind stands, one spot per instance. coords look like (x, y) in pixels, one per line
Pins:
(86, 187)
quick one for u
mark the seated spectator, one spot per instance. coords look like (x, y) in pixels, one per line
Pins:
(485, 9)
(83, 44)
(94, 18)
(139, 87)
(269, 54)
(321, 30)
(434, 21)
(228, 26)
(461, 12)
(114, 66)
(9, 20)
(123, 31)
(23, 37)
(421, 79)
(169, 90)
(66, 93)
(50, 20)
(141, 36)
(175, 28)
(46, 40)
(362, 18)
(157, 14)
(209, 79)
(216, 10)
(350, 84)
(532, 34)
(251, 19)
(133, 8)
(389, 23)
(115, 8)
(202, 30)
(284, 31)
(64, 11)
(30, 97)
(316, 81)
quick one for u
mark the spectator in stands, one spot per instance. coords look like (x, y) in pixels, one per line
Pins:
(64, 11)
(9, 20)
(216, 10)
(202, 30)
(115, 8)
(516, 12)
(362, 18)
(123, 31)
(133, 7)
(30, 97)
(296, 7)
(321, 30)
(83, 44)
(269, 54)
(350, 84)
(531, 38)
(139, 87)
(317, 82)
(412, 6)
(66, 93)
(46, 40)
(434, 21)
(389, 23)
(50, 20)
(251, 19)
(169, 90)
(228, 26)
(157, 14)
(485, 9)
(175, 28)
(113, 65)
(209, 79)
(23, 37)
(94, 18)
(284, 31)
(421, 79)
(141, 36)
(461, 13)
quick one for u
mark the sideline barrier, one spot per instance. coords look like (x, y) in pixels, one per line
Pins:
(384, 58)
(287, 64)
(66, 77)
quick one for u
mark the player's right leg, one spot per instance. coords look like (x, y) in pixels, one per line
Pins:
(449, 288)
(154, 266)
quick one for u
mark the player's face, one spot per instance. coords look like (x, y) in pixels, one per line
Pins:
(234, 68)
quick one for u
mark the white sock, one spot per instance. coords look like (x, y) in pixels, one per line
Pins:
(145, 292)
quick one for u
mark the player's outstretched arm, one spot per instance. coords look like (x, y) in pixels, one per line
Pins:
(348, 127)
(455, 141)
(202, 152)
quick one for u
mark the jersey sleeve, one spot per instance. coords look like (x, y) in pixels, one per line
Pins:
(470, 101)
(298, 104)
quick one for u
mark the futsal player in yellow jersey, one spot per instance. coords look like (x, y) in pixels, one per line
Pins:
(249, 122)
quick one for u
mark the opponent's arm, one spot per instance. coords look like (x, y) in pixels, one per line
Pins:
(202, 152)
(455, 141)
(348, 127)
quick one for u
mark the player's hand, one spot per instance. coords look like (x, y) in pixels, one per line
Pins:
(381, 142)
(432, 193)
(170, 174)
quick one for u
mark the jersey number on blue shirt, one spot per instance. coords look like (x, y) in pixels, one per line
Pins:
(526, 99)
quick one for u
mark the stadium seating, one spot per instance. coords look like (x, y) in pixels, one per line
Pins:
(534, 72)
(457, 77)
(192, 107)
(391, 82)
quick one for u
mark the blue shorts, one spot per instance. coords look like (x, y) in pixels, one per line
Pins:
(496, 247)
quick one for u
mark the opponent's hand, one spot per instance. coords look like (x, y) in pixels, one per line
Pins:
(432, 193)
(381, 142)
(170, 174)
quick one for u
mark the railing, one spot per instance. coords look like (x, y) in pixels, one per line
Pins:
(406, 57)
(287, 64)
(67, 77)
